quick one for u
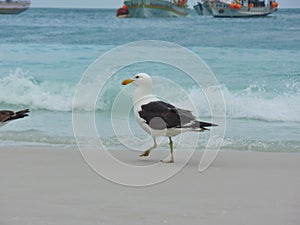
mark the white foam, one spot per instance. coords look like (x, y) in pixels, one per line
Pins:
(253, 102)
(18, 89)
(256, 103)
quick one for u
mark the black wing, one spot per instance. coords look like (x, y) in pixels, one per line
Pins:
(7, 115)
(160, 115)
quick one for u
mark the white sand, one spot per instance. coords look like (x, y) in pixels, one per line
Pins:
(53, 186)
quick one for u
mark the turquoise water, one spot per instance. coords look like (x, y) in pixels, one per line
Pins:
(44, 53)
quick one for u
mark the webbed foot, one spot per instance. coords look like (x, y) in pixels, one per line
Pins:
(168, 161)
(145, 153)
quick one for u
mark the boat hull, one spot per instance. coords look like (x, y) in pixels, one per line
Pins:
(13, 7)
(154, 8)
(123, 16)
(223, 10)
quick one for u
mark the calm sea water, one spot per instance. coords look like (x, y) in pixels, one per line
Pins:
(44, 53)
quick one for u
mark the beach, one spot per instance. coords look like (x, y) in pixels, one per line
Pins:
(54, 185)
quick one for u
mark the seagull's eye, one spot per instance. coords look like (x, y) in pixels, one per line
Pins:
(137, 77)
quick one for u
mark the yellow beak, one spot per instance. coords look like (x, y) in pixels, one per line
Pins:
(127, 81)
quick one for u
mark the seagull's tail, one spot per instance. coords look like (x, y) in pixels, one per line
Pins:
(19, 114)
(203, 125)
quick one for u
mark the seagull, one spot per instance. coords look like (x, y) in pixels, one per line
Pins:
(159, 118)
(8, 115)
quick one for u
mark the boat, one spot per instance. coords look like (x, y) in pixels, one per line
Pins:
(203, 8)
(157, 8)
(13, 7)
(123, 12)
(241, 8)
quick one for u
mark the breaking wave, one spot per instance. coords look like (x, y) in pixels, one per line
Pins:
(19, 89)
(253, 102)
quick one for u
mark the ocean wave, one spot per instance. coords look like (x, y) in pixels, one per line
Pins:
(254, 102)
(19, 89)
(259, 145)
(32, 136)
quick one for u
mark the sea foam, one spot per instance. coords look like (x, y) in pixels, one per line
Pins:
(19, 89)
(253, 102)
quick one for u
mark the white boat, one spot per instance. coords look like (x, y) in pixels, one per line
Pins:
(242, 8)
(157, 8)
(203, 8)
(13, 7)
(237, 8)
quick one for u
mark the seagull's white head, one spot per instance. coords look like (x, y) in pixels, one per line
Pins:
(140, 79)
(143, 88)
